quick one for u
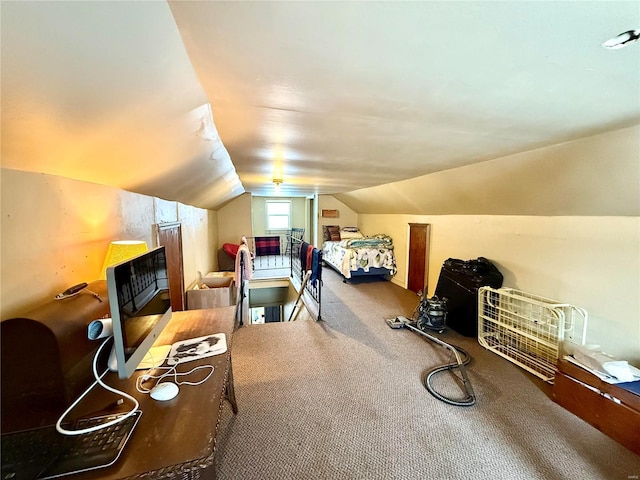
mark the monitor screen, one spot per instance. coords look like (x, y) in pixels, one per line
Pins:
(140, 306)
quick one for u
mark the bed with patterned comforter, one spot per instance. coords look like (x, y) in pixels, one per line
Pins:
(361, 256)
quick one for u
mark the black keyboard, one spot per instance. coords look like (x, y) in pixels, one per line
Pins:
(44, 453)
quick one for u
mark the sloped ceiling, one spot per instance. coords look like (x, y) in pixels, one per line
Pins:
(105, 92)
(331, 97)
(593, 176)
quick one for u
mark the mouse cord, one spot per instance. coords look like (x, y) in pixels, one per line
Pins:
(147, 376)
(98, 381)
(193, 370)
(172, 371)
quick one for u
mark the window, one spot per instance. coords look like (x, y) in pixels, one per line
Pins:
(278, 214)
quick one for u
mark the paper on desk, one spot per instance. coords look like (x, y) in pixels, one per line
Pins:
(607, 377)
(594, 358)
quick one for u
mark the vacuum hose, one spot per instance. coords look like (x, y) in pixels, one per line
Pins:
(459, 364)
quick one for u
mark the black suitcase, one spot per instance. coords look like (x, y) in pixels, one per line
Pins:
(458, 282)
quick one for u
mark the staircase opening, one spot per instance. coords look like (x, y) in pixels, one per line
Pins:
(271, 300)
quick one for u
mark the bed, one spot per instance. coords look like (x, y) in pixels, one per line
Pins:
(352, 254)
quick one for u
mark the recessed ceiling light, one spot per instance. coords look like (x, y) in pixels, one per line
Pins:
(622, 40)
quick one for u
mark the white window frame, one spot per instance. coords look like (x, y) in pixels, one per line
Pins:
(268, 216)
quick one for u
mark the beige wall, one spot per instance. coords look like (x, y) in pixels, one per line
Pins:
(55, 232)
(234, 220)
(346, 216)
(199, 232)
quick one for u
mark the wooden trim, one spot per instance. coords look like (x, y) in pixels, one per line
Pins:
(170, 235)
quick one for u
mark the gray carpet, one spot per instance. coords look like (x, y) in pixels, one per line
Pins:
(343, 399)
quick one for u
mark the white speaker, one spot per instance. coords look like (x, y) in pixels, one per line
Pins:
(100, 328)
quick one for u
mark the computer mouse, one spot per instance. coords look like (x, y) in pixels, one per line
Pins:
(164, 391)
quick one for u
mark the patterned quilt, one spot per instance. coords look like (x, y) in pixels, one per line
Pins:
(376, 241)
(348, 256)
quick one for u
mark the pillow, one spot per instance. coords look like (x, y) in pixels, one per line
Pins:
(346, 234)
(350, 229)
(334, 233)
(230, 249)
(326, 236)
(325, 233)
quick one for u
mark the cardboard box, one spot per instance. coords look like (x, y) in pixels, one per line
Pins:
(221, 293)
(218, 279)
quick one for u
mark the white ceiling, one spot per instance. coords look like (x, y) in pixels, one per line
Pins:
(329, 96)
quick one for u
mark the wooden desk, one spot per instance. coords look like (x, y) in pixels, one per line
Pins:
(176, 437)
(592, 399)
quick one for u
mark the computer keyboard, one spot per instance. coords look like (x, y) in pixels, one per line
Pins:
(44, 453)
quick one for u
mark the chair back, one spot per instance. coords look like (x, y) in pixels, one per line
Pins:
(297, 233)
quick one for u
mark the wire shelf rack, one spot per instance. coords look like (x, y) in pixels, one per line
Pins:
(528, 330)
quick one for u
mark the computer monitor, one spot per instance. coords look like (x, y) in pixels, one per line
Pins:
(140, 306)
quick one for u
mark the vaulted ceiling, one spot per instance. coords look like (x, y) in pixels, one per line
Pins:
(200, 101)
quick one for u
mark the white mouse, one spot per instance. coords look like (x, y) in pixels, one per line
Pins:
(164, 391)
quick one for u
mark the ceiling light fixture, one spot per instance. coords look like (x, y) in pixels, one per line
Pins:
(277, 182)
(622, 40)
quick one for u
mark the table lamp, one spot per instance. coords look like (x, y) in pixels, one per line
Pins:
(122, 250)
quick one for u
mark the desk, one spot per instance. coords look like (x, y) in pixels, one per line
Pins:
(176, 437)
(611, 409)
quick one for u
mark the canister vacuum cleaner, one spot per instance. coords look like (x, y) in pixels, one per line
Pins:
(431, 316)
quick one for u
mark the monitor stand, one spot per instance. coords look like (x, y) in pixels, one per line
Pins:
(154, 358)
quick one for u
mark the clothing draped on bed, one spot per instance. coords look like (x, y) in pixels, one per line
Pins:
(267, 246)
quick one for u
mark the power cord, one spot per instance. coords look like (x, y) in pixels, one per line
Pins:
(98, 381)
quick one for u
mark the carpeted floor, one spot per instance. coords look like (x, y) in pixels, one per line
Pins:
(343, 399)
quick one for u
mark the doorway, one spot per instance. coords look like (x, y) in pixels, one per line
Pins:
(268, 314)
(418, 277)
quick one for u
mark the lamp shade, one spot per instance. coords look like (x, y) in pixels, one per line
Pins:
(122, 250)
